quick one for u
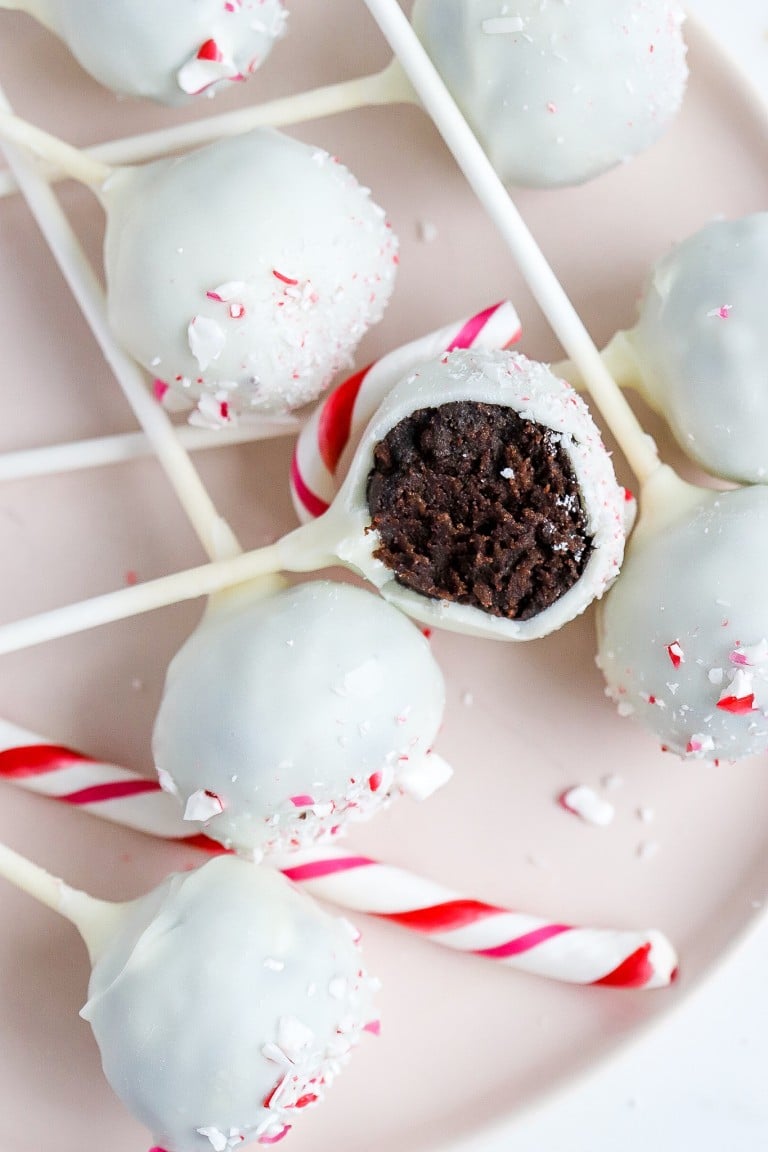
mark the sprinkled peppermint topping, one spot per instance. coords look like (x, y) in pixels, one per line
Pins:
(750, 655)
(203, 806)
(207, 340)
(420, 777)
(167, 782)
(584, 802)
(218, 1141)
(721, 313)
(293, 1037)
(675, 653)
(207, 67)
(698, 746)
(232, 290)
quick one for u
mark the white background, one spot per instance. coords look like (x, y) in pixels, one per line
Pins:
(698, 1082)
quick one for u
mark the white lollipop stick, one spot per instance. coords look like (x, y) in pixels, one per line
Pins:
(620, 959)
(389, 86)
(125, 446)
(94, 919)
(214, 533)
(72, 161)
(548, 292)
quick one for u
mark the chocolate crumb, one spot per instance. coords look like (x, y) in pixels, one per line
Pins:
(475, 505)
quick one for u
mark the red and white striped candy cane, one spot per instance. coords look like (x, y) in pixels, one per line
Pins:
(338, 421)
(617, 959)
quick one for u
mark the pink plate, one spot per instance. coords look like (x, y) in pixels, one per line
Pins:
(464, 1043)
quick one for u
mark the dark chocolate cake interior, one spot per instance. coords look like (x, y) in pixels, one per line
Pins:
(476, 505)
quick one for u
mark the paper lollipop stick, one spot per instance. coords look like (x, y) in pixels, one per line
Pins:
(340, 419)
(124, 446)
(621, 959)
(214, 533)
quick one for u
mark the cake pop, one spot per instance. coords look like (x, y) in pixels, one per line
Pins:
(558, 93)
(167, 52)
(247, 301)
(284, 717)
(224, 1002)
(683, 635)
(520, 529)
(698, 350)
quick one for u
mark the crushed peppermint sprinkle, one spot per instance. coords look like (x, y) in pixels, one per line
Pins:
(502, 25)
(302, 801)
(226, 292)
(738, 697)
(750, 655)
(207, 67)
(207, 340)
(721, 313)
(214, 411)
(584, 802)
(698, 746)
(285, 279)
(203, 806)
(167, 782)
(420, 777)
(675, 653)
(218, 1141)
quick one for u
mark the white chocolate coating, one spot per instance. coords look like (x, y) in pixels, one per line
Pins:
(683, 629)
(247, 271)
(701, 345)
(531, 389)
(297, 712)
(222, 1001)
(169, 51)
(559, 92)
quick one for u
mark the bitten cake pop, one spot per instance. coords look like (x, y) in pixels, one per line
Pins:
(244, 302)
(699, 348)
(493, 436)
(223, 1003)
(558, 93)
(167, 52)
(493, 503)
(683, 635)
(283, 717)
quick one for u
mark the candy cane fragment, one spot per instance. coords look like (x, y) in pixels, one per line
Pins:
(603, 957)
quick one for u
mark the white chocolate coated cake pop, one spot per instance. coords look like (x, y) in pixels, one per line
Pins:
(283, 717)
(683, 634)
(224, 1004)
(700, 346)
(167, 51)
(494, 579)
(559, 92)
(244, 274)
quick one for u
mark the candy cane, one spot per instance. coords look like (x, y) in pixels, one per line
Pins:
(341, 417)
(604, 957)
